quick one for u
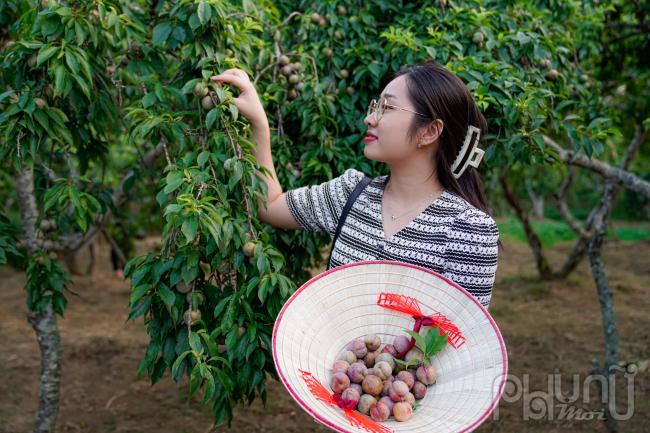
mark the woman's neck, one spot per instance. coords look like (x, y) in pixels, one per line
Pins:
(407, 188)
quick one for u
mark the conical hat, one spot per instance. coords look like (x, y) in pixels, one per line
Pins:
(337, 306)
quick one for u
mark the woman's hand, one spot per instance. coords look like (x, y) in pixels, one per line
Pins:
(248, 102)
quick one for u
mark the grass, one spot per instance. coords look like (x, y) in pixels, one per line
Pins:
(552, 232)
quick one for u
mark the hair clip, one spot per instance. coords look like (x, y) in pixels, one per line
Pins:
(469, 154)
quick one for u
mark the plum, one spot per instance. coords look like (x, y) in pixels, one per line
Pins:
(351, 394)
(388, 402)
(402, 411)
(357, 372)
(406, 377)
(374, 372)
(383, 370)
(387, 384)
(379, 411)
(414, 354)
(370, 357)
(386, 357)
(410, 398)
(419, 390)
(372, 385)
(340, 366)
(372, 342)
(340, 381)
(357, 386)
(389, 348)
(348, 356)
(401, 343)
(365, 402)
(358, 347)
(427, 374)
(398, 391)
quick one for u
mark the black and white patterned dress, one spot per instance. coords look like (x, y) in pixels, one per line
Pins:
(450, 237)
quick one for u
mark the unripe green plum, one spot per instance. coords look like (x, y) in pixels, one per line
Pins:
(200, 90)
(414, 354)
(286, 70)
(315, 18)
(372, 340)
(387, 357)
(284, 60)
(351, 394)
(383, 369)
(365, 402)
(419, 390)
(358, 347)
(341, 10)
(388, 402)
(357, 372)
(379, 411)
(401, 343)
(427, 374)
(406, 377)
(349, 357)
(402, 411)
(207, 103)
(340, 366)
(339, 382)
(478, 37)
(372, 385)
(294, 78)
(193, 316)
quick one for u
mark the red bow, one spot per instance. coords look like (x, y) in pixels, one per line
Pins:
(355, 418)
(411, 306)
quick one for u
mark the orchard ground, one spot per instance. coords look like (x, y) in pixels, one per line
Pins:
(549, 327)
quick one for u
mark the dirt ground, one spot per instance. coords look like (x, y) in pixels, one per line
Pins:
(549, 327)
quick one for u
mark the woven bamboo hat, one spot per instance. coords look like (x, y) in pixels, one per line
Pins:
(352, 301)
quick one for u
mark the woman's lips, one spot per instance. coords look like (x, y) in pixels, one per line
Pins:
(368, 138)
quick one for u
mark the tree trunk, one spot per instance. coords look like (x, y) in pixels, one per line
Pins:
(533, 240)
(49, 341)
(44, 323)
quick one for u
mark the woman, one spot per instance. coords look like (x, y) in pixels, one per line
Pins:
(429, 211)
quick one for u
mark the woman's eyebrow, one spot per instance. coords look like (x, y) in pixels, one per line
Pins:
(388, 95)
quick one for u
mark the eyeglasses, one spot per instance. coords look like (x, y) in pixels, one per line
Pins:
(378, 108)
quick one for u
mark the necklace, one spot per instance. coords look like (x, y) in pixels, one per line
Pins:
(393, 217)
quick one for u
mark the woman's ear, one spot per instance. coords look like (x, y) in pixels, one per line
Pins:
(431, 133)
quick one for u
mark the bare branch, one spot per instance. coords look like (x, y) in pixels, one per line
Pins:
(629, 180)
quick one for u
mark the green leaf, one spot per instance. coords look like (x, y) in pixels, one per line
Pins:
(211, 117)
(174, 180)
(161, 33)
(149, 100)
(167, 296)
(44, 54)
(419, 340)
(59, 79)
(189, 228)
(195, 342)
(204, 12)
(178, 362)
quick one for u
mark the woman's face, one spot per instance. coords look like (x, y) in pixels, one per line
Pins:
(391, 145)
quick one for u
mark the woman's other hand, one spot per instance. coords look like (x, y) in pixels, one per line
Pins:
(248, 102)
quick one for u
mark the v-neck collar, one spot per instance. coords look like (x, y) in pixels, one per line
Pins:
(382, 188)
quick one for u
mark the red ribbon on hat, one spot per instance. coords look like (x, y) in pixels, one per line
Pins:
(355, 418)
(411, 306)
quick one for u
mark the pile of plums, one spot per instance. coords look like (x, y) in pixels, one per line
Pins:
(368, 376)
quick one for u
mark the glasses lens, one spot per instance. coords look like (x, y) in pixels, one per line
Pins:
(380, 108)
(372, 107)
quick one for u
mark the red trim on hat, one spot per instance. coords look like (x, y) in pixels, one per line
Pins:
(390, 262)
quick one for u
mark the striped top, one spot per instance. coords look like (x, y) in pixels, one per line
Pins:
(450, 237)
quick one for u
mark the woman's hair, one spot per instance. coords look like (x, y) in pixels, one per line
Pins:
(439, 94)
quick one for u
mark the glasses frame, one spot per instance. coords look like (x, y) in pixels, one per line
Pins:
(377, 104)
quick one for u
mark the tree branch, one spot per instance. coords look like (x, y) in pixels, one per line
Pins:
(629, 180)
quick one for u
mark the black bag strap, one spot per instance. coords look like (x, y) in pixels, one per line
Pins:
(353, 197)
